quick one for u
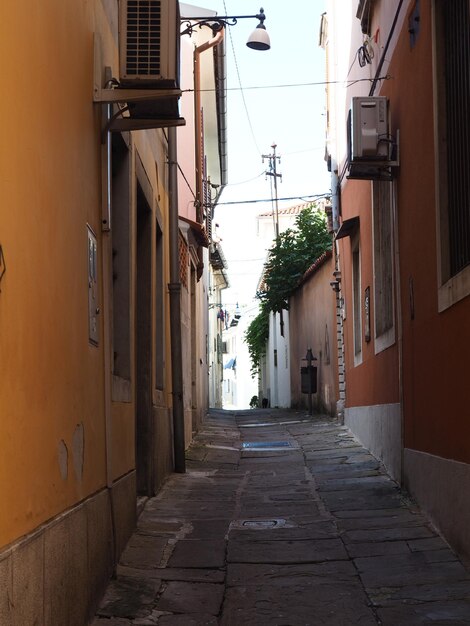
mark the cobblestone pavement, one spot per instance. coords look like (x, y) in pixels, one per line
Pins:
(284, 520)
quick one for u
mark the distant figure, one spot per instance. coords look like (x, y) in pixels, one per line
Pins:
(264, 403)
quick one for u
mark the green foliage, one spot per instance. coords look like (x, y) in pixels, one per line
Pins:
(256, 337)
(254, 402)
(291, 255)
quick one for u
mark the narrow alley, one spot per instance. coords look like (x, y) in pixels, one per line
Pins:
(283, 520)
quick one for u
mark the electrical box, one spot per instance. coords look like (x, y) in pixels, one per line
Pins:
(149, 35)
(368, 132)
(308, 379)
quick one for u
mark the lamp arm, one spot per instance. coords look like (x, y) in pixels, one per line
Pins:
(216, 23)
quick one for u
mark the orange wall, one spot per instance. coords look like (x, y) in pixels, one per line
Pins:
(375, 380)
(435, 345)
(51, 377)
(312, 314)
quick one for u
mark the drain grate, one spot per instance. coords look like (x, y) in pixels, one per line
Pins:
(260, 424)
(260, 524)
(265, 523)
(261, 445)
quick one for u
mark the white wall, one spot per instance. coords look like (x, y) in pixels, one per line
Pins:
(279, 374)
(242, 387)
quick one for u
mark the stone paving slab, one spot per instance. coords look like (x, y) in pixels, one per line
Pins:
(367, 499)
(146, 550)
(273, 509)
(297, 551)
(198, 553)
(186, 597)
(402, 519)
(209, 529)
(245, 575)
(378, 548)
(194, 575)
(331, 605)
(329, 466)
(405, 569)
(316, 535)
(346, 484)
(416, 594)
(129, 597)
(435, 613)
(388, 534)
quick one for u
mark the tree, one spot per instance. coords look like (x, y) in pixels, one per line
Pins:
(291, 255)
(256, 336)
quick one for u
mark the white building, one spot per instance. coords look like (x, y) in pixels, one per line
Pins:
(238, 386)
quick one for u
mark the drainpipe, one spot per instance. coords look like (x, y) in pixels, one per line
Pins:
(385, 50)
(211, 43)
(175, 309)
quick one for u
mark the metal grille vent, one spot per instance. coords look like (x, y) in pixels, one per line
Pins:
(143, 40)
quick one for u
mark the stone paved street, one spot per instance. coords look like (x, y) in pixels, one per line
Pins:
(306, 530)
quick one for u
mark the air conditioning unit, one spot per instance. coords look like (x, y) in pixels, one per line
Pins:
(368, 134)
(149, 43)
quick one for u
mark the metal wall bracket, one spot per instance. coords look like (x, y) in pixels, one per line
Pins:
(125, 96)
(376, 170)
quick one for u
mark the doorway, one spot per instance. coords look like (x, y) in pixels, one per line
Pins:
(145, 430)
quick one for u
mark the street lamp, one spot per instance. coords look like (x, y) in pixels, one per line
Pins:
(258, 40)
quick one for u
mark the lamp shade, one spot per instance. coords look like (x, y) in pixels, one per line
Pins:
(259, 39)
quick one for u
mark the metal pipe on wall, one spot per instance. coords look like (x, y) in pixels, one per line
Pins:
(175, 309)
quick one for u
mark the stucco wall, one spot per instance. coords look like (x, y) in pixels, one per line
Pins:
(435, 361)
(52, 382)
(313, 324)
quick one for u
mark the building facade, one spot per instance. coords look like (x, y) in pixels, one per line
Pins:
(312, 315)
(400, 203)
(99, 298)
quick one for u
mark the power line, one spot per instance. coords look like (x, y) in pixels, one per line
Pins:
(305, 198)
(289, 85)
(243, 182)
(240, 88)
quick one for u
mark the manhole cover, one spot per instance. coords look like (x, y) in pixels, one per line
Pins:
(259, 524)
(255, 445)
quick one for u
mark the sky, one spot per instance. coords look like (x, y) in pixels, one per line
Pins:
(276, 104)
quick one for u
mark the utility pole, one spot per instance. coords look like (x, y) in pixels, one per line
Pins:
(272, 171)
(273, 160)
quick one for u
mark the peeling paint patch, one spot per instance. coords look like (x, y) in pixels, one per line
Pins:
(63, 456)
(78, 448)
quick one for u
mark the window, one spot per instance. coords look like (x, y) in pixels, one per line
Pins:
(383, 265)
(452, 79)
(357, 309)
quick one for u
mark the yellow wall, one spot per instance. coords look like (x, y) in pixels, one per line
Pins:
(51, 378)
(53, 423)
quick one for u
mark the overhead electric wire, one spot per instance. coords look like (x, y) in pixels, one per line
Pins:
(243, 182)
(289, 85)
(305, 198)
(240, 88)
